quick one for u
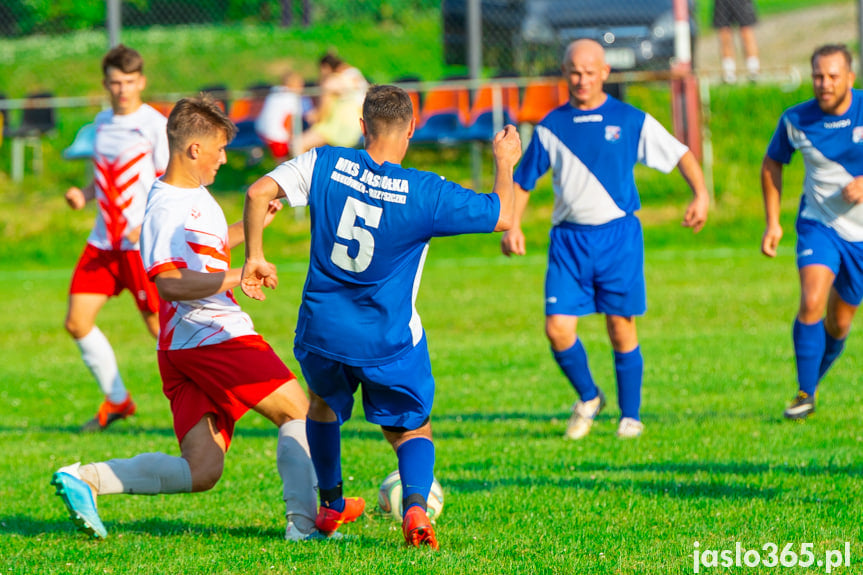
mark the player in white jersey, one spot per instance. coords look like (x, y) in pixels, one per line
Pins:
(130, 151)
(214, 366)
(372, 221)
(596, 255)
(828, 132)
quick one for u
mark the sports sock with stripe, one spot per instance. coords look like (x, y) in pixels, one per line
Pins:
(325, 447)
(416, 468)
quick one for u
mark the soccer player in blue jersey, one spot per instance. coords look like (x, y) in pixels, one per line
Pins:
(371, 222)
(596, 254)
(828, 132)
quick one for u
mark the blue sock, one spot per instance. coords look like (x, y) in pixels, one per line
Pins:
(416, 468)
(809, 347)
(629, 367)
(832, 349)
(573, 363)
(325, 447)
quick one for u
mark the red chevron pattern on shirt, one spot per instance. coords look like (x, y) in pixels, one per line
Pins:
(129, 152)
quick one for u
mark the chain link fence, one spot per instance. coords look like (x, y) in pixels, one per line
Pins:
(520, 36)
(26, 17)
(527, 37)
(518, 40)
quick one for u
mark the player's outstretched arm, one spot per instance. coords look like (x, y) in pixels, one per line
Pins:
(78, 198)
(507, 151)
(236, 231)
(771, 189)
(696, 213)
(257, 272)
(512, 242)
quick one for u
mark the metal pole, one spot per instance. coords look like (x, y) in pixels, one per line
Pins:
(114, 22)
(474, 64)
(684, 87)
(682, 33)
(287, 15)
(860, 34)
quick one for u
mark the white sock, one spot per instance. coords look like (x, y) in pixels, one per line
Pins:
(299, 482)
(753, 65)
(729, 69)
(98, 356)
(144, 474)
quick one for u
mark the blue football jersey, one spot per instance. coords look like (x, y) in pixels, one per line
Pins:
(592, 154)
(370, 226)
(832, 149)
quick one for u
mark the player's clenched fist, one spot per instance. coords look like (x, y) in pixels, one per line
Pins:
(507, 146)
(75, 198)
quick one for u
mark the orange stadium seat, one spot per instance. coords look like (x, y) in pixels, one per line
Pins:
(413, 93)
(481, 124)
(163, 108)
(445, 112)
(540, 98)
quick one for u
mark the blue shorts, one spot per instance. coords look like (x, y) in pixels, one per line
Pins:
(596, 269)
(818, 244)
(396, 394)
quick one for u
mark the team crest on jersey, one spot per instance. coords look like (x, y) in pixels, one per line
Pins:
(195, 214)
(612, 133)
(857, 134)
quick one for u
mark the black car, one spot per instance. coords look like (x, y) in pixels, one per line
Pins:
(528, 36)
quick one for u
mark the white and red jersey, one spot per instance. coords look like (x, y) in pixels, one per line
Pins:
(130, 152)
(186, 228)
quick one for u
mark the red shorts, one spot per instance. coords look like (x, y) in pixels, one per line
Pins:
(278, 149)
(226, 379)
(109, 272)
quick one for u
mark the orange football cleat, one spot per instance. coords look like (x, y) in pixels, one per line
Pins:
(418, 529)
(109, 413)
(328, 520)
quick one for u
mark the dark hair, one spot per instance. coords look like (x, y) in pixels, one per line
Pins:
(331, 60)
(386, 107)
(829, 50)
(197, 117)
(124, 59)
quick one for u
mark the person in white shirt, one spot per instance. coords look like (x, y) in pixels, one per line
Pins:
(214, 366)
(275, 122)
(130, 151)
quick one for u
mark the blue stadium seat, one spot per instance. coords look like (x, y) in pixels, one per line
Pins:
(482, 127)
(444, 113)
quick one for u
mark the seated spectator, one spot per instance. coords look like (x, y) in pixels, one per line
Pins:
(274, 125)
(343, 88)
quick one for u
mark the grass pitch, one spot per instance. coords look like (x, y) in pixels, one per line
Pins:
(716, 464)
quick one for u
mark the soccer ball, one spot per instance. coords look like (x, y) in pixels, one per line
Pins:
(390, 497)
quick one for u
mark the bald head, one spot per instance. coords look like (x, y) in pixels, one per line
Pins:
(585, 72)
(584, 48)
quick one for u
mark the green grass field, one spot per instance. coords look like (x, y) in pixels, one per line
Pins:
(716, 465)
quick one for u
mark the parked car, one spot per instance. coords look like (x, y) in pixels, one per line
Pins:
(529, 36)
